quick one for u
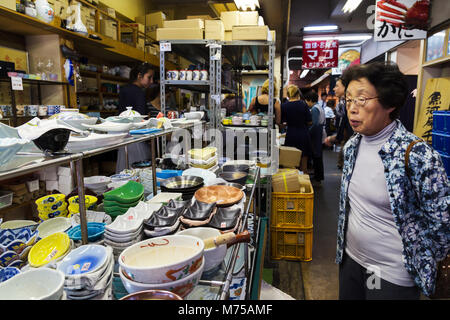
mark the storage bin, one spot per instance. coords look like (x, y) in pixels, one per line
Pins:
(292, 209)
(6, 198)
(291, 243)
(441, 142)
(441, 121)
(446, 161)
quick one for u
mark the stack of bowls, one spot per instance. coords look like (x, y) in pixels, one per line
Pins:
(53, 205)
(118, 201)
(88, 272)
(186, 185)
(7, 273)
(95, 232)
(122, 177)
(37, 284)
(146, 178)
(174, 263)
(90, 203)
(98, 184)
(49, 250)
(15, 245)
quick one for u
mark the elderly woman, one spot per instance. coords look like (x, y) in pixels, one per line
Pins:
(393, 225)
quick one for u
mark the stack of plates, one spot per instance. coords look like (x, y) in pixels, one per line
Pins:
(205, 158)
(166, 220)
(88, 272)
(98, 184)
(118, 201)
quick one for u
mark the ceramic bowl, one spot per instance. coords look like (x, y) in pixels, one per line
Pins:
(236, 168)
(96, 182)
(36, 284)
(7, 273)
(207, 175)
(128, 193)
(85, 259)
(88, 200)
(54, 225)
(109, 203)
(238, 177)
(181, 287)
(17, 225)
(50, 203)
(182, 183)
(213, 256)
(121, 238)
(16, 246)
(124, 225)
(197, 115)
(162, 259)
(58, 213)
(152, 295)
(91, 216)
(95, 231)
(54, 140)
(49, 249)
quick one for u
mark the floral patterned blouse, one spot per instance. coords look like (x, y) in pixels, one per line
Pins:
(419, 203)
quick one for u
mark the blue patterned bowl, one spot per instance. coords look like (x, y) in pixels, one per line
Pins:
(8, 273)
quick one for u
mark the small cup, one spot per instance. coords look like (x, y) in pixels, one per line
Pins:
(182, 75)
(196, 75)
(189, 75)
(204, 75)
(42, 111)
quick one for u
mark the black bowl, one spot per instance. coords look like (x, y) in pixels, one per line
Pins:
(234, 177)
(54, 140)
(236, 168)
(182, 184)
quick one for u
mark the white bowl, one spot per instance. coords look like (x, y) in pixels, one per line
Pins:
(53, 225)
(35, 284)
(181, 287)
(85, 259)
(96, 182)
(196, 115)
(213, 256)
(162, 259)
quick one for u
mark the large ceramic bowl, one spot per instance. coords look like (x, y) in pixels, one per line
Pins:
(54, 225)
(96, 182)
(85, 259)
(51, 203)
(162, 259)
(36, 284)
(181, 287)
(152, 295)
(95, 231)
(16, 246)
(54, 140)
(9, 147)
(128, 193)
(49, 249)
(213, 256)
(16, 226)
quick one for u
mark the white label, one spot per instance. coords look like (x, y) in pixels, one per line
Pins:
(16, 83)
(165, 47)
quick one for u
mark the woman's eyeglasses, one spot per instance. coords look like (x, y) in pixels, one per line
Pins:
(359, 101)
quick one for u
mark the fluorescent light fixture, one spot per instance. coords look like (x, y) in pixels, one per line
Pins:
(320, 28)
(351, 6)
(304, 73)
(247, 4)
(340, 38)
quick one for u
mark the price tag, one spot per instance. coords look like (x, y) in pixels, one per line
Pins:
(165, 47)
(16, 83)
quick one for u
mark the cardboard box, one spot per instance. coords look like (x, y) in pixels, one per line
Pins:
(108, 28)
(51, 185)
(203, 17)
(214, 30)
(152, 22)
(286, 181)
(230, 19)
(130, 27)
(290, 157)
(273, 35)
(64, 171)
(228, 35)
(10, 4)
(185, 23)
(179, 34)
(248, 18)
(251, 33)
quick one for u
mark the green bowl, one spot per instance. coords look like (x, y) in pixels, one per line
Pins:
(108, 210)
(108, 203)
(130, 192)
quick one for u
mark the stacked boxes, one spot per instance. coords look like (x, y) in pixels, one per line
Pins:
(441, 137)
(214, 30)
(186, 29)
(133, 34)
(291, 223)
(152, 22)
(108, 28)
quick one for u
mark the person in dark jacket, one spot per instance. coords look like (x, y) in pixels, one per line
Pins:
(296, 114)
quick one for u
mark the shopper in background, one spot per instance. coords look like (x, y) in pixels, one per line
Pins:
(317, 134)
(394, 226)
(261, 103)
(344, 130)
(329, 116)
(323, 100)
(231, 103)
(298, 117)
(133, 95)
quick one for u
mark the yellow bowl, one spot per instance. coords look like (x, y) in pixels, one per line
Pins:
(48, 249)
(45, 216)
(50, 203)
(88, 200)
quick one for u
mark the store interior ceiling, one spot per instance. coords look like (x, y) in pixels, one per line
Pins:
(287, 17)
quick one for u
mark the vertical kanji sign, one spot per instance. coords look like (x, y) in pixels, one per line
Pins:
(398, 20)
(322, 54)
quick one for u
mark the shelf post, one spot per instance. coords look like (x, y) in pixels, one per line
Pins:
(81, 198)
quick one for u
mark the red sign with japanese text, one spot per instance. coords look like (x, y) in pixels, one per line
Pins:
(322, 54)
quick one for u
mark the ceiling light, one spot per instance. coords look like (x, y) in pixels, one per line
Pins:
(304, 73)
(247, 4)
(320, 28)
(359, 37)
(351, 5)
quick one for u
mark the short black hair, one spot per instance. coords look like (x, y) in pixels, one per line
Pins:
(311, 95)
(324, 94)
(389, 82)
(142, 69)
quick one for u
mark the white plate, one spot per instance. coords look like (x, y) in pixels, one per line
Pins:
(95, 140)
(110, 127)
(53, 225)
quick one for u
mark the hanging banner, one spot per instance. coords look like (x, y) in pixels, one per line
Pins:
(401, 20)
(322, 54)
(347, 57)
(435, 97)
